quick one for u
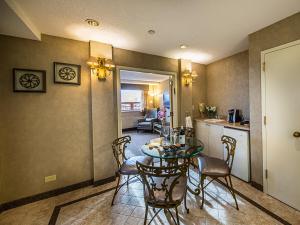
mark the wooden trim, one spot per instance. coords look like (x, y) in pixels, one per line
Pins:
(44, 195)
(104, 181)
(257, 186)
(52, 193)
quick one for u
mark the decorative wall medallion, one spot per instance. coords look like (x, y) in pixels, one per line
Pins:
(25, 80)
(67, 73)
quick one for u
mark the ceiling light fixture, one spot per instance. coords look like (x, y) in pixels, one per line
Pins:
(92, 22)
(151, 32)
(183, 46)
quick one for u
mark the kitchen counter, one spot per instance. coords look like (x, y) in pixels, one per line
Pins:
(224, 123)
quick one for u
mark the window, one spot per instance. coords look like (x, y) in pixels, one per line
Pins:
(132, 100)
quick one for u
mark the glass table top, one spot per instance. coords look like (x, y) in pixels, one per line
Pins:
(158, 148)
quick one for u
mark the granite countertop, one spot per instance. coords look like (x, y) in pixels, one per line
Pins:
(224, 123)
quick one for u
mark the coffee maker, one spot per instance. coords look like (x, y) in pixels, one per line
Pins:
(234, 116)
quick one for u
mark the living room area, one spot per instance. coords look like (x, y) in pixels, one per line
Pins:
(145, 105)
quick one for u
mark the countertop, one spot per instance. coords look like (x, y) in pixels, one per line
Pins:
(224, 123)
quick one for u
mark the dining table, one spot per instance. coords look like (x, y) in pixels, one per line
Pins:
(165, 151)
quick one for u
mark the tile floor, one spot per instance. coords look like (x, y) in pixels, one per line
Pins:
(91, 205)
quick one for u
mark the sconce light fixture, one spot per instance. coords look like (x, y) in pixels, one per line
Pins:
(101, 67)
(188, 76)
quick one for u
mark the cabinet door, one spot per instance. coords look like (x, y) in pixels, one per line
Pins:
(215, 145)
(202, 130)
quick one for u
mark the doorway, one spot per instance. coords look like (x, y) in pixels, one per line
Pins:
(281, 124)
(146, 100)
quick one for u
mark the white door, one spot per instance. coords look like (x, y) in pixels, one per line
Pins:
(215, 146)
(282, 110)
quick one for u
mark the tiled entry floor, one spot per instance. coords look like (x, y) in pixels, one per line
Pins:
(91, 205)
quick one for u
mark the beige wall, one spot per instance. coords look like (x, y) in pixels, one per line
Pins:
(228, 84)
(51, 133)
(282, 32)
(134, 59)
(43, 133)
(199, 88)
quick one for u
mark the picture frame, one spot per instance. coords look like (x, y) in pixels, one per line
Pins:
(66, 73)
(29, 80)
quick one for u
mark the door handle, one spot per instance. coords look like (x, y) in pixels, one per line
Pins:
(296, 134)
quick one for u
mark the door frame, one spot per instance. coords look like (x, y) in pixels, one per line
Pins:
(159, 72)
(263, 105)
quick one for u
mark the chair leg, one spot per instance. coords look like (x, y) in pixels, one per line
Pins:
(127, 182)
(146, 214)
(232, 192)
(117, 188)
(185, 206)
(177, 217)
(202, 189)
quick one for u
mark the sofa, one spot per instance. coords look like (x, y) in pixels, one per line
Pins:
(147, 122)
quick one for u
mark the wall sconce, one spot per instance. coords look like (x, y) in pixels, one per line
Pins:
(188, 76)
(101, 67)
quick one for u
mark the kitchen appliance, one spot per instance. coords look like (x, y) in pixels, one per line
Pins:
(234, 116)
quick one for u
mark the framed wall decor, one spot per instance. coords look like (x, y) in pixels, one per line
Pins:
(66, 73)
(27, 80)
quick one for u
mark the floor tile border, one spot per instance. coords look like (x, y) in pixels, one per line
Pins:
(44, 195)
(57, 208)
(257, 205)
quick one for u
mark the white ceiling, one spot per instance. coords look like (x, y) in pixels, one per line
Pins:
(212, 29)
(15, 25)
(135, 77)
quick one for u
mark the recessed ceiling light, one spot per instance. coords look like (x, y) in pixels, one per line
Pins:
(183, 46)
(92, 22)
(151, 32)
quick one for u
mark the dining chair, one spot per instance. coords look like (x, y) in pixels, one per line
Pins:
(217, 168)
(164, 188)
(126, 166)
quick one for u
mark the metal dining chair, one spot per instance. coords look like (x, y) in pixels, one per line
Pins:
(164, 188)
(126, 166)
(216, 168)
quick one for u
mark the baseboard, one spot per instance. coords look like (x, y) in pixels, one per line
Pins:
(104, 181)
(257, 186)
(129, 129)
(49, 194)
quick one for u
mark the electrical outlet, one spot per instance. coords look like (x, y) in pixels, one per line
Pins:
(50, 178)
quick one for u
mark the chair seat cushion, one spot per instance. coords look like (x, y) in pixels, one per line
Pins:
(212, 166)
(178, 192)
(129, 166)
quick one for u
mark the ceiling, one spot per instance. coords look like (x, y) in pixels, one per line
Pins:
(15, 25)
(135, 77)
(212, 29)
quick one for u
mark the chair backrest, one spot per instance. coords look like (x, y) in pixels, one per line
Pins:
(162, 181)
(189, 132)
(119, 145)
(230, 145)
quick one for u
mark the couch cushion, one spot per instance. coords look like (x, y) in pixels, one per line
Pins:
(129, 165)
(212, 166)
